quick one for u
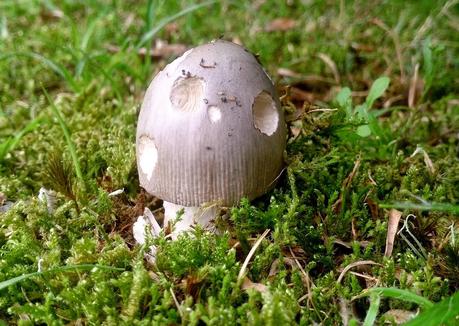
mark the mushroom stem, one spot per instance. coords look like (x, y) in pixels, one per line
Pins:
(191, 216)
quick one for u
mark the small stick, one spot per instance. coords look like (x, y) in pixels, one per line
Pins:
(176, 302)
(355, 264)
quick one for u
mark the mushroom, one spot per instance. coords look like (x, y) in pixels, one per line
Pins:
(210, 132)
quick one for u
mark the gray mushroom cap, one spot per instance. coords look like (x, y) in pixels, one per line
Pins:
(210, 129)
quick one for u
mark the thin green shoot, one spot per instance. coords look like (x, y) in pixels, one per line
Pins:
(425, 206)
(11, 142)
(377, 90)
(399, 294)
(14, 280)
(163, 22)
(57, 68)
(372, 312)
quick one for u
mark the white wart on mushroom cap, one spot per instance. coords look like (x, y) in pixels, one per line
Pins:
(210, 128)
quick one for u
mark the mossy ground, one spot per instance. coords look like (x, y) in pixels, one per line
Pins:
(350, 160)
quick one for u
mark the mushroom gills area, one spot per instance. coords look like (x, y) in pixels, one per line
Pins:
(265, 115)
(190, 217)
(187, 93)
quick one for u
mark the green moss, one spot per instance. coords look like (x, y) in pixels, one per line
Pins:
(324, 213)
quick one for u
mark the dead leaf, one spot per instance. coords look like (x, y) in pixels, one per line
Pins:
(394, 99)
(372, 181)
(51, 14)
(336, 207)
(297, 94)
(413, 87)
(295, 131)
(237, 40)
(331, 64)
(348, 245)
(129, 20)
(257, 4)
(400, 316)
(161, 50)
(164, 49)
(428, 162)
(344, 310)
(285, 72)
(274, 268)
(155, 277)
(347, 182)
(191, 285)
(370, 281)
(310, 81)
(373, 207)
(401, 273)
(353, 229)
(296, 115)
(280, 24)
(362, 47)
(392, 228)
(172, 28)
(248, 284)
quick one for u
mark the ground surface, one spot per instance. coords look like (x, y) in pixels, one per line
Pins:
(363, 163)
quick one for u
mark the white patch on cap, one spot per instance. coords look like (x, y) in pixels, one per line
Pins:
(265, 115)
(148, 156)
(187, 94)
(214, 113)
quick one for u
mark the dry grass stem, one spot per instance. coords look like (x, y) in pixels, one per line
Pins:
(392, 227)
(251, 253)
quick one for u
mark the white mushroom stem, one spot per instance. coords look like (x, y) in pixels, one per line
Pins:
(147, 219)
(191, 216)
(140, 227)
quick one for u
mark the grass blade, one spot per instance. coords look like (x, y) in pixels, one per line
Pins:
(151, 33)
(428, 206)
(372, 313)
(57, 68)
(68, 138)
(14, 280)
(10, 143)
(149, 15)
(441, 313)
(400, 294)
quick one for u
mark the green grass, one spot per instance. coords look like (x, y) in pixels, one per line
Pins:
(72, 77)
